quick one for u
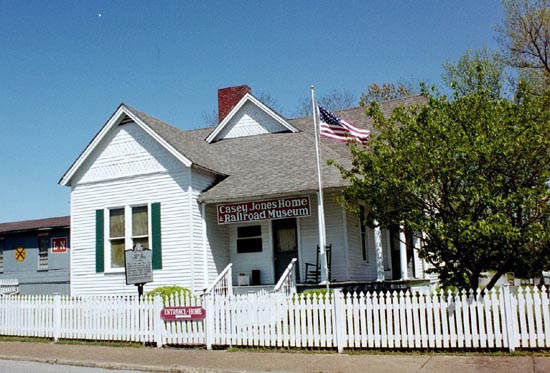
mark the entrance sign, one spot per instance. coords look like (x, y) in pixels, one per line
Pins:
(183, 313)
(280, 208)
(59, 245)
(139, 265)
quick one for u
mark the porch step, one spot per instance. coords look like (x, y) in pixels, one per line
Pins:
(252, 289)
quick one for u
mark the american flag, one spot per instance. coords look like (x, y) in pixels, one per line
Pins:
(339, 129)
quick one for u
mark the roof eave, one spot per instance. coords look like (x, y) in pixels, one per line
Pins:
(210, 201)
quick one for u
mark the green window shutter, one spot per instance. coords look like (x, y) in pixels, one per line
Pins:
(99, 241)
(156, 239)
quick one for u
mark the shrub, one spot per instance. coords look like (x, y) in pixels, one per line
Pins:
(317, 293)
(178, 293)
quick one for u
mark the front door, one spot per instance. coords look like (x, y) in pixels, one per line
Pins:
(285, 243)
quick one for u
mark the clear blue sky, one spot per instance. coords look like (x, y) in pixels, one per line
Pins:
(66, 65)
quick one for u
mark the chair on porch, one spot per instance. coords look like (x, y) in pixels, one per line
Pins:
(313, 271)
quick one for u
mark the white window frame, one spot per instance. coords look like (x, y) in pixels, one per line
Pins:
(43, 265)
(134, 236)
(248, 238)
(128, 234)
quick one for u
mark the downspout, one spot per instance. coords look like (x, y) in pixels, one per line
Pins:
(204, 244)
(192, 227)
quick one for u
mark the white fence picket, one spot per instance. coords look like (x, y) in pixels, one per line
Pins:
(546, 314)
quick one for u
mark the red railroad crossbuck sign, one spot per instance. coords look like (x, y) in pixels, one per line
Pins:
(183, 313)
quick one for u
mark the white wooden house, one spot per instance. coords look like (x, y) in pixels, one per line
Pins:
(201, 199)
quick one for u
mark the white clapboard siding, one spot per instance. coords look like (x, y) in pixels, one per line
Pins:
(263, 260)
(199, 181)
(359, 269)
(250, 120)
(335, 235)
(334, 219)
(215, 246)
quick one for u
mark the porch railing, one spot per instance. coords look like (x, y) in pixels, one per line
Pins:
(223, 284)
(287, 282)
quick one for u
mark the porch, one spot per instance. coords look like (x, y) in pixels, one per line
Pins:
(287, 284)
(360, 257)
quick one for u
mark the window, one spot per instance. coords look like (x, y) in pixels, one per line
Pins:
(138, 230)
(43, 247)
(117, 237)
(364, 235)
(140, 226)
(125, 228)
(249, 239)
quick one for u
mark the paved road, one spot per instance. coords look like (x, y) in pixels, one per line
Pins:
(17, 366)
(189, 360)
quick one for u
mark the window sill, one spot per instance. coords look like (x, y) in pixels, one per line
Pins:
(114, 271)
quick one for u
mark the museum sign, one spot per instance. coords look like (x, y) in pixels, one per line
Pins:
(280, 208)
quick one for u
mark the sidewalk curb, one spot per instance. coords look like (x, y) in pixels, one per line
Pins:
(114, 366)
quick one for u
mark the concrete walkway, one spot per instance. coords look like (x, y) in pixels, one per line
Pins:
(188, 360)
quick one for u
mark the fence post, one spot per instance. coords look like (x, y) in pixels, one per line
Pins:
(158, 322)
(339, 319)
(209, 320)
(56, 317)
(511, 333)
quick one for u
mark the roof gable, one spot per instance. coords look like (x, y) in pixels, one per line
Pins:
(123, 114)
(248, 118)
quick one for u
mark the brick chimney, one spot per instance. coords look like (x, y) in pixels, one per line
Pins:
(228, 99)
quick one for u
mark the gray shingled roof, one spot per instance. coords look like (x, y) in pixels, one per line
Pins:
(269, 164)
(27, 225)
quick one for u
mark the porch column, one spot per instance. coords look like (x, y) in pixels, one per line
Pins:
(421, 243)
(403, 253)
(379, 252)
(419, 265)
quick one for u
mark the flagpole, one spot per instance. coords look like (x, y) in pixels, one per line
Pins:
(320, 206)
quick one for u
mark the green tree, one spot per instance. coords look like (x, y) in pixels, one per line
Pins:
(476, 70)
(470, 172)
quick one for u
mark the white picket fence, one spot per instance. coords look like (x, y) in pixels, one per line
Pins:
(92, 318)
(504, 318)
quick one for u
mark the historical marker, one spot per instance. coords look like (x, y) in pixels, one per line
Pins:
(139, 267)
